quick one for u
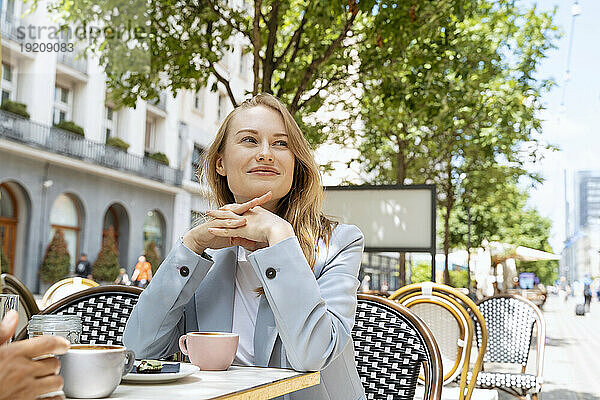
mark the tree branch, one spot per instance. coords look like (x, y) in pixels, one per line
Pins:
(268, 65)
(295, 40)
(312, 68)
(225, 83)
(256, 45)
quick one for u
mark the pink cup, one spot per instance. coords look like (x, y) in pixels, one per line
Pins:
(210, 351)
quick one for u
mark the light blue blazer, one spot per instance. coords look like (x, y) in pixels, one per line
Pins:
(304, 319)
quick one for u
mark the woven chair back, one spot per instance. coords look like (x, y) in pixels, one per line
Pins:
(464, 311)
(104, 311)
(392, 345)
(510, 324)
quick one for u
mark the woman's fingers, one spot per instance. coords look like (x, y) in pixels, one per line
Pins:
(227, 223)
(222, 232)
(243, 207)
(223, 214)
(48, 384)
(47, 366)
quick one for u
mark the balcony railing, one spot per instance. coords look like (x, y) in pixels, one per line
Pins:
(8, 26)
(59, 141)
(74, 60)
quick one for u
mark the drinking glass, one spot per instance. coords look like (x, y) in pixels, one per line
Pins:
(8, 302)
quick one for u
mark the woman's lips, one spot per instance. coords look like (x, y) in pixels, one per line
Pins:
(264, 173)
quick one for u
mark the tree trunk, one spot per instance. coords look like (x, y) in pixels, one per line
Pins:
(400, 178)
(449, 203)
(402, 270)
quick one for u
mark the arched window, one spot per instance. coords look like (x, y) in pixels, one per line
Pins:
(8, 228)
(154, 230)
(65, 215)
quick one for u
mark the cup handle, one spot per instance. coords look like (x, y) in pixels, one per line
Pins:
(182, 345)
(130, 357)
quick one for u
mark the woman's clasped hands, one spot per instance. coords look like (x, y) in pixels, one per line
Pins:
(247, 224)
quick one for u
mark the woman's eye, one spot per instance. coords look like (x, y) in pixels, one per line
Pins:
(281, 143)
(249, 139)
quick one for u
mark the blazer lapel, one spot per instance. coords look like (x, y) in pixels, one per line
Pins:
(265, 334)
(214, 296)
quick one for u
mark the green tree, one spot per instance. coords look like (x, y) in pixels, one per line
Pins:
(462, 102)
(151, 253)
(106, 268)
(301, 49)
(501, 214)
(56, 261)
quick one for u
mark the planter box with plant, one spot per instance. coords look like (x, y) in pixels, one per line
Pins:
(118, 143)
(71, 127)
(160, 157)
(19, 109)
(56, 262)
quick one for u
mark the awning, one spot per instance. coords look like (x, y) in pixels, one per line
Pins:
(503, 251)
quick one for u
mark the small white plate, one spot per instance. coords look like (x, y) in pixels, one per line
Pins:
(184, 370)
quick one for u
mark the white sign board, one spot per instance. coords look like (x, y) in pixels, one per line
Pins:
(392, 218)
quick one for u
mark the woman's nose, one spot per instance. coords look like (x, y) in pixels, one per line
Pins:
(264, 154)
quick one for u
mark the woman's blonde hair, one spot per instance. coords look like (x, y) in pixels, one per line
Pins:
(301, 207)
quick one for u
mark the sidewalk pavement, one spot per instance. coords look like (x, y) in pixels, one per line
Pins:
(572, 359)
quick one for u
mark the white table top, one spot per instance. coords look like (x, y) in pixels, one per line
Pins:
(235, 383)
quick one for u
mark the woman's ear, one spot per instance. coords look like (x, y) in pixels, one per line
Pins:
(219, 165)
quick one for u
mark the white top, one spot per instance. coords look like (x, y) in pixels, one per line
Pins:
(245, 308)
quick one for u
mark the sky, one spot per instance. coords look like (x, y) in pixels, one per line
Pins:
(575, 126)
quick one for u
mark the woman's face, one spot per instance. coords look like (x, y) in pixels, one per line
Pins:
(256, 157)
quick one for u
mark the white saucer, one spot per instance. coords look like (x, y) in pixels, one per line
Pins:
(184, 370)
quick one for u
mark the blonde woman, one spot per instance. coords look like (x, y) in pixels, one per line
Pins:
(267, 265)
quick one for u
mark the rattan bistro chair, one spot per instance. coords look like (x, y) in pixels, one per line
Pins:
(510, 320)
(27, 305)
(64, 288)
(104, 311)
(391, 345)
(450, 315)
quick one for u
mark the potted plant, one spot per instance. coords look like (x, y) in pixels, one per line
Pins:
(106, 268)
(71, 127)
(151, 253)
(19, 109)
(160, 157)
(56, 262)
(118, 143)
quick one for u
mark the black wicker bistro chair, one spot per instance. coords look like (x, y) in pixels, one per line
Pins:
(27, 305)
(510, 320)
(391, 346)
(104, 311)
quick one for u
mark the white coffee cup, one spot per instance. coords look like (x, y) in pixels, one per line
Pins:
(92, 371)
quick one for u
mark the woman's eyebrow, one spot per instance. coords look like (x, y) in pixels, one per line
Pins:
(251, 130)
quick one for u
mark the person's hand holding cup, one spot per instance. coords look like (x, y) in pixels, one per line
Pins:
(27, 369)
(210, 351)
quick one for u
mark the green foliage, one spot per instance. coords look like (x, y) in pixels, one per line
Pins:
(421, 273)
(15, 108)
(56, 261)
(106, 268)
(459, 278)
(151, 253)
(118, 143)
(501, 214)
(301, 50)
(160, 157)
(71, 127)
